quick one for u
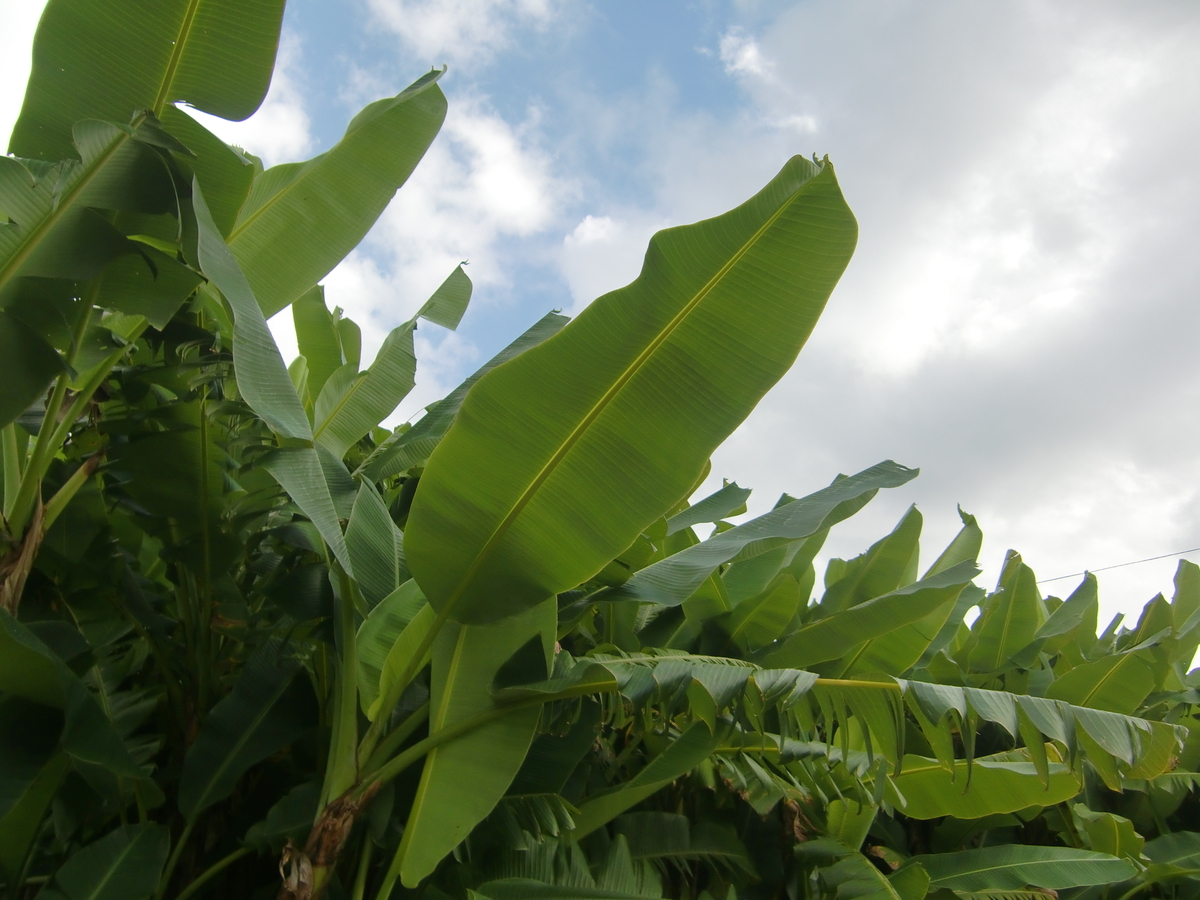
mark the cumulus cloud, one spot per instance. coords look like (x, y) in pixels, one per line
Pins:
(1015, 319)
(741, 54)
(281, 129)
(463, 33)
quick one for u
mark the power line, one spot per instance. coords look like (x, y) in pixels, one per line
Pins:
(1132, 562)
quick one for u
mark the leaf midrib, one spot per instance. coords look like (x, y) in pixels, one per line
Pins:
(112, 870)
(181, 42)
(610, 395)
(241, 742)
(65, 205)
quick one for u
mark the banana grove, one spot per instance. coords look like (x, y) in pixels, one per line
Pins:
(254, 644)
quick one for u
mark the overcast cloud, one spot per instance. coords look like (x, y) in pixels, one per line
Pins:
(1019, 319)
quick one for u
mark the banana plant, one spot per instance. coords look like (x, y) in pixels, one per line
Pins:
(257, 643)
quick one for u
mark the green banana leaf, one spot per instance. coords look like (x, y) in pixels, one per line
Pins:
(375, 545)
(301, 219)
(878, 571)
(1008, 620)
(32, 671)
(839, 634)
(31, 767)
(464, 778)
(268, 708)
(1002, 783)
(351, 404)
(560, 458)
(317, 338)
(125, 864)
(104, 58)
(676, 578)
(378, 634)
(1110, 833)
(1118, 683)
(403, 449)
(681, 756)
(730, 500)
(1013, 866)
(855, 878)
(400, 654)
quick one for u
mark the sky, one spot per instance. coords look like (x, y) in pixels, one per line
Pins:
(1021, 315)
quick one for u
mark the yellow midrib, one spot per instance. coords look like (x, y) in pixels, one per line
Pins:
(609, 395)
(181, 39)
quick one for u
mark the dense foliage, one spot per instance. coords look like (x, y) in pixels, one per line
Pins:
(254, 644)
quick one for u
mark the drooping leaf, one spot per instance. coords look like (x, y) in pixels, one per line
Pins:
(103, 59)
(676, 578)
(464, 778)
(404, 449)
(564, 491)
(448, 303)
(262, 376)
(1013, 866)
(125, 864)
(1004, 782)
(302, 473)
(301, 219)
(268, 709)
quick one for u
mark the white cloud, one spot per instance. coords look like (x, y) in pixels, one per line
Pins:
(18, 21)
(280, 131)
(463, 33)
(741, 54)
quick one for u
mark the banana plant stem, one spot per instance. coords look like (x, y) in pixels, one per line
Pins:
(343, 757)
(396, 737)
(212, 871)
(375, 732)
(1150, 882)
(173, 861)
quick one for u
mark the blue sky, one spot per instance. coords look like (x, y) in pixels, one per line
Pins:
(1020, 318)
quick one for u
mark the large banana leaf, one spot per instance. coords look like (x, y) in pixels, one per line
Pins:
(102, 59)
(560, 458)
(1118, 683)
(837, 635)
(1002, 783)
(404, 449)
(301, 219)
(125, 864)
(378, 633)
(267, 710)
(1013, 866)
(1008, 620)
(674, 579)
(464, 778)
